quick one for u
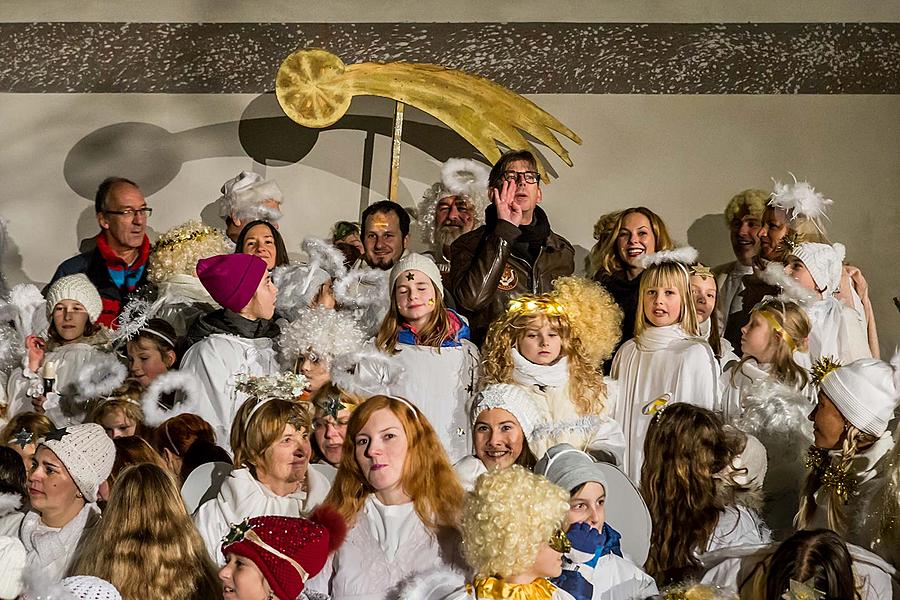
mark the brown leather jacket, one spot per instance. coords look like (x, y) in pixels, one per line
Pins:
(485, 274)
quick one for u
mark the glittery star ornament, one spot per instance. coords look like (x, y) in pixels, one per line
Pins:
(237, 532)
(332, 405)
(56, 434)
(23, 438)
(822, 367)
(802, 591)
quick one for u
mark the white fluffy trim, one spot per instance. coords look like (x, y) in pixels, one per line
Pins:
(464, 176)
(27, 309)
(799, 199)
(685, 255)
(172, 381)
(435, 585)
(363, 287)
(366, 373)
(324, 256)
(9, 502)
(774, 274)
(895, 364)
(100, 376)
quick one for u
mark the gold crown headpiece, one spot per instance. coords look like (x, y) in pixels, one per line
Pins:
(182, 235)
(822, 367)
(701, 270)
(535, 304)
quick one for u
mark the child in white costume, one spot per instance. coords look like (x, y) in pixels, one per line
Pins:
(512, 539)
(503, 421)
(552, 345)
(667, 354)
(705, 292)
(850, 458)
(774, 347)
(234, 340)
(837, 330)
(595, 568)
(431, 343)
(74, 340)
(401, 521)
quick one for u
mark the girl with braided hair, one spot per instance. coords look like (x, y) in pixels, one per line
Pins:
(851, 451)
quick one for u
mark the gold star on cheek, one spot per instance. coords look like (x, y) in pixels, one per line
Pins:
(410, 276)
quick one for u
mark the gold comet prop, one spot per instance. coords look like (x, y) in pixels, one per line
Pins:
(315, 87)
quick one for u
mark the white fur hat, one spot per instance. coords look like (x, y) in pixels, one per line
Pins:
(12, 557)
(75, 287)
(514, 400)
(242, 198)
(824, 262)
(86, 451)
(418, 262)
(865, 391)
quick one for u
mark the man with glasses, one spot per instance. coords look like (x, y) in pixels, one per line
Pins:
(514, 252)
(117, 266)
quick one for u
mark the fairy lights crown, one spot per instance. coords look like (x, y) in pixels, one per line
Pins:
(822, 367)
(528, 304)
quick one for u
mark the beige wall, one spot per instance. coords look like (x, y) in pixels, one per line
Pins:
(683, 156)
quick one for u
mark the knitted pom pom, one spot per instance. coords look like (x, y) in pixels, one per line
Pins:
(331, 520)
(684, 255)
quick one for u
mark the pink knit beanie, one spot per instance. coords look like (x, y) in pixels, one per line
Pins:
(231, 279)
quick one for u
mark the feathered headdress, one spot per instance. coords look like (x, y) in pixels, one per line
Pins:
(459, 177)
(323, 331)
(298, 284)
(684, 256)
(100, 376)
(799, 199)
(133, 319)
(774, 275)
(243, 197)
(27, 309)
(187, 400)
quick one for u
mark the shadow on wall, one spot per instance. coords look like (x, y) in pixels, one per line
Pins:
(153, 156)
(710, 237)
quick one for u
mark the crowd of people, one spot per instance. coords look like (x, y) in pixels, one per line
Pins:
(227, 414)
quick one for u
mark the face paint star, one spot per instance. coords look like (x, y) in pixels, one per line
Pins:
(410, 276)
(237, 532)
(23, 438)
(56, 434)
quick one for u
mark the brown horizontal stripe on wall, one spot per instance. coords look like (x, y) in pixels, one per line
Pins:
(530, 58)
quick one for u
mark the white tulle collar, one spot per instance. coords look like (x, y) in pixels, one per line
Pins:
(526, 372)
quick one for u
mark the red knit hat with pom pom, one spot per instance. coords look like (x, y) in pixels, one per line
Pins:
(287, 550)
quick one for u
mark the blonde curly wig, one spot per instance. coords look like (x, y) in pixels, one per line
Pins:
(508, 516)
(752, 199)
(596, 318)
(177, 251)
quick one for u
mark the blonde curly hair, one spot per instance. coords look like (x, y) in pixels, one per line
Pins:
(596, 318)
(753, 200)
(177, 251)
(507, 517)
(586, 387)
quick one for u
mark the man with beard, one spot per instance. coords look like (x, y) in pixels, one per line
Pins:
(451, 207)
(743, 216)
(514, 252)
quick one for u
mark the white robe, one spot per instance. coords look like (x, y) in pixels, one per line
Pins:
(837, 331)
(374, 559)
(441, 385)
(617, 578)
(243, 497)
(735, 385)
(468, 469)
(662, 360)
(215, 360)
(184, 300)
(69, 360)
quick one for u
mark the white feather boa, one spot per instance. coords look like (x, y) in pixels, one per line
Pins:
(684, 255)
(100, 376)
(799, 199)
(774, 275)
(171, 381)
(9, 502)
(366, 373)
(27, 309)
(435, 585)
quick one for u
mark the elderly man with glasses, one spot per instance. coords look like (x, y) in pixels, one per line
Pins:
(514, 252)
(117, 266)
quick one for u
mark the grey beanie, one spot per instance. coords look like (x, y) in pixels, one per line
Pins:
(569, 468)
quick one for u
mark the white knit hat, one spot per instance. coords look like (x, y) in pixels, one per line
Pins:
(87, 587)
(86, 451)
(824, 262)
(514, 400)
(12, 557)
(242, 198)
(75, 287)
(419, 262)
(865, 392)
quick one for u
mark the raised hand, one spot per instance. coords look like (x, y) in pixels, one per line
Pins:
(34, 346)
(585, 540)
(504, 198)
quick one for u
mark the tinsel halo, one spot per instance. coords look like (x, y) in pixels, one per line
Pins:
(177, 251)
(284, 386)
(595, 317)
